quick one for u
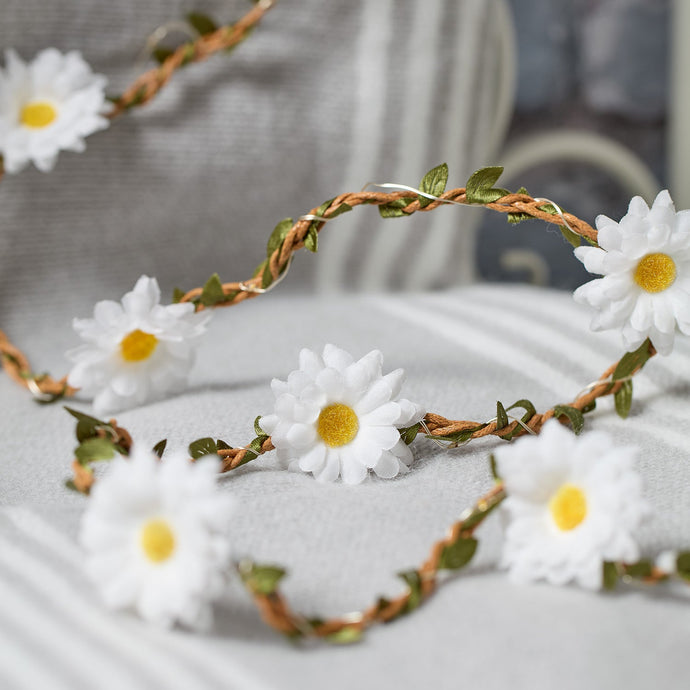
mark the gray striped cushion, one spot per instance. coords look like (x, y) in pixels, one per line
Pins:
(462, 350)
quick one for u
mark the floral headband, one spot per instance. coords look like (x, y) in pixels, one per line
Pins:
(157, 527)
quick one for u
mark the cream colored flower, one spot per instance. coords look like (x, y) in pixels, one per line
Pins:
(136, 350)
(47, 106)
(335, 416)
(156, 537)
(573, 503)
(645, 263)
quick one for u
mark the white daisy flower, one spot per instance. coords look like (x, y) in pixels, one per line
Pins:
(47, 106)
(136, 350)
(573, 502)
(645, 263)
(337, 417)
(155, 535)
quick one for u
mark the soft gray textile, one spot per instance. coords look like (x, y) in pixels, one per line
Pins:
(343, 545)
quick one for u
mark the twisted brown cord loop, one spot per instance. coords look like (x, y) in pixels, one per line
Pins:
(151, 82)
(294, 240)
(16, 365)
(276, 612)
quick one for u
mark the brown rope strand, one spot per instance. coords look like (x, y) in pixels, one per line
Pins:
(294, 240)
(276, 612)
(150, 83)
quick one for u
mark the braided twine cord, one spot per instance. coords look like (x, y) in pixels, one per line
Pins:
(44, 386)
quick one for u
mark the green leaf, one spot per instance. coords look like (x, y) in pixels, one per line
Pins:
(347, 635)
(639, 570)
(683, 564)
(530, 411)
(577, 419)
(212, 292)
(623, 399)
(262, 579)
(260, 268)
(202, 446)
(394, 209)
(609, 575)
(343, 208)
(409, 434)
(161, 54)
(458, 554)
(493, 465)
(257, 427)
(570, 236)
(94, 449)
(632, 361)
(519, 216)
(434, 183)
(311, 239)
(277, 237)
(178, 295)
(267, 277)
(159, 448)
(480, 187)
(69, 484)
(203, 24)
(222, 445)
(87, 426)
(501, 416)
(414, 582)
(86, 418)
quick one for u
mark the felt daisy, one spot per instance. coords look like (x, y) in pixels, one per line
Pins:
(573, 503)
(47, 106)
(155, 535)
(136, 350)
(335, 416)
(645, 263)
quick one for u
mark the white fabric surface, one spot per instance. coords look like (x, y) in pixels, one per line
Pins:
(343, 545)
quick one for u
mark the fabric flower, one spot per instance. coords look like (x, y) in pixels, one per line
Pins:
(645, 263)
(573, 503)
(155, 535)
(337, 417)
(135, 350)
(47, 106)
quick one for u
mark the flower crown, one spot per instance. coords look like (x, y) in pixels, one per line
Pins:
(157, 527)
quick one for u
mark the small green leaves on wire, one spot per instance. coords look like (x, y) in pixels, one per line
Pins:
(480, 187)
(394, 209)
(623, 398)
(202, 23)
(632, 361)
(530, 411)
(414, 582)
(206, 446)
(458, 554)
(212, 292)
(576, 418)
(434, 183)
(260, 579)
(275, 241)
(502, 420)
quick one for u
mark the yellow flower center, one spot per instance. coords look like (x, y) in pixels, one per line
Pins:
(655, 272)
(137, 346)
(337, 425)
(37, 114)
(568, 507)
(157, 540)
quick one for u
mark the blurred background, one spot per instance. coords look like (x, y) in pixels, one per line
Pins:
(600, 66)
(574, 97)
